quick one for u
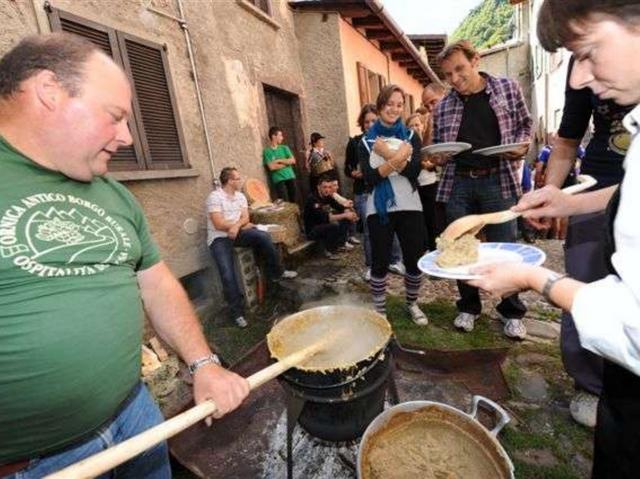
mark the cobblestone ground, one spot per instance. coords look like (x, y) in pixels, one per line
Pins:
(347, 274)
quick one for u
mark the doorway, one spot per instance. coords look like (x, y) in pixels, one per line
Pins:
(283, 110)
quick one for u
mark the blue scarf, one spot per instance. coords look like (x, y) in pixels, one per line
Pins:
(383, 195)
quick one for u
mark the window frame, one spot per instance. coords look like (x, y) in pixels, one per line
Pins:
(144, 166)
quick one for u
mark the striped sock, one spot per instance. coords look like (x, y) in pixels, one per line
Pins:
(379, 293)
(412, 287)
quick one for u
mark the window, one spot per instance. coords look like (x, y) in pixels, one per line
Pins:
(158, 142)
(370, 84)
(408, 105)
(264, 5)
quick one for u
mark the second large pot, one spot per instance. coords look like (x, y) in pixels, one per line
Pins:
(472, 433)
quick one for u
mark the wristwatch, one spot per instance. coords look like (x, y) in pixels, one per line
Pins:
(551, 280)
(198, 363)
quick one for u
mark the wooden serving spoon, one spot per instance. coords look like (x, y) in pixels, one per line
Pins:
(109, 458)
(472, 224)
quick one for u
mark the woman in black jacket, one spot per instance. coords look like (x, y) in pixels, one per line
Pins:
(390, 161)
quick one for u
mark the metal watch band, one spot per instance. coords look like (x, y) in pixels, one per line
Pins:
(551, 280)
(198, 363)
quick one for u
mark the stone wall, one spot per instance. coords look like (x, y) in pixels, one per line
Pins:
(321, 60)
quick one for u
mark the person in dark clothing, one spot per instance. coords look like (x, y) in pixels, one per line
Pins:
(390, 159)
(484, 111)
(325, 219)
(603, 35)
(368, 116)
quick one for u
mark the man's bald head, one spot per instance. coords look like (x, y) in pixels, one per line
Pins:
(64, 54)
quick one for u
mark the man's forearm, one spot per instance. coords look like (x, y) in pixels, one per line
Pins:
(561, 161)
(593, 201)
(171, 313)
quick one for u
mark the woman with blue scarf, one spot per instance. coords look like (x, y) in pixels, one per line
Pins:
(390, 160)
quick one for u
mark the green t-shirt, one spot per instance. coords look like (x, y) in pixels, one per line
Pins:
(70, 310)
(279, 153)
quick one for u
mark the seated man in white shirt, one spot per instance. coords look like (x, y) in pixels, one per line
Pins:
(228, 225)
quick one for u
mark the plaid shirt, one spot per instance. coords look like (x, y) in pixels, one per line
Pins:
(507, 102)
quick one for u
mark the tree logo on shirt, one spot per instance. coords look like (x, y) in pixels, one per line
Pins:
(53, 234)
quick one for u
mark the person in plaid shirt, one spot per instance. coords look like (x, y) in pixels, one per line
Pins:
(484, 111)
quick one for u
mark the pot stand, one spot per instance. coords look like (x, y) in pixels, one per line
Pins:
(295, 404)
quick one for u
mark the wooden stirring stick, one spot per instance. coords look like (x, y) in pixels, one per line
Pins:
(472, 224)
(112, 457)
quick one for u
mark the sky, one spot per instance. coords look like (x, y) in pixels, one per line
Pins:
(429, 16)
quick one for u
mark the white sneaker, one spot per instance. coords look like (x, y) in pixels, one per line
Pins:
(397, 268)
(417, 315)
(513, 328)
(241, 322)
(353, 240)
(584, 408)
(465, 321)
(367, 275)
(289, 274)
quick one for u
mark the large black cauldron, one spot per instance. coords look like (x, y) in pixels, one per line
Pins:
(338, 406)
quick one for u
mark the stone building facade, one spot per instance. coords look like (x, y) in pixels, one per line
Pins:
(228, 69)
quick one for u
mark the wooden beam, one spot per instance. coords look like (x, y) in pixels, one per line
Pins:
(392, 45)
(396, 57)
(407, 63)
(379, 34)
(368, 21)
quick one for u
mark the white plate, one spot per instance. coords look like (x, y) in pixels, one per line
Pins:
(451, 148)
(489, 253)
(499, 149)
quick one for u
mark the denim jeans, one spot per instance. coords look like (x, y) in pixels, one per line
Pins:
(360, 204)
(331, 235)
(476, 196)
(585, 261)
(140, 413)
(221, 250)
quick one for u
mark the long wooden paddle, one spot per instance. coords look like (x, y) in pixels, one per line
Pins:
(112, 457)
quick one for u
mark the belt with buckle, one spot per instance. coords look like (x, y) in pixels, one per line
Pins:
(476, 172)
(7, 469)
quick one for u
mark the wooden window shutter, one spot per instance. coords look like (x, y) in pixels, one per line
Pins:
(363, 84)
(154, 102)
(126, 158)
(382, 81)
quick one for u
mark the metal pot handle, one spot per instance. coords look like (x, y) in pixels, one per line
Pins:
(497, 409)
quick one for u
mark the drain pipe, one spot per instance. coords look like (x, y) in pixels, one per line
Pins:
(378, 9)
(183, 24)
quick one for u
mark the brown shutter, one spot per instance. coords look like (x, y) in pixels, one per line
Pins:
(105, 38)
(154, 102)
(363, 84)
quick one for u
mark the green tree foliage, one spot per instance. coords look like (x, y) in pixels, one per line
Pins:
(487, 25)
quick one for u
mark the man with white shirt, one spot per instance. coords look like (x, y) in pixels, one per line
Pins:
(603, 35)
(228, 226)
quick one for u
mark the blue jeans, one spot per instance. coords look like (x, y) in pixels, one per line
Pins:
(360, 205)
(475, 196)
(139, 414)
(221, 250)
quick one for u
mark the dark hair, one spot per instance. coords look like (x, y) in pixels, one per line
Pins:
(225, 174)
(326, 178)
(386, 93)
(315, 136)
(273, 131)
(62, 53)
(558, 17)
(368, 108)
(463, 46)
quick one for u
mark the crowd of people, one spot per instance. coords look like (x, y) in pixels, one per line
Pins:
(64, 107)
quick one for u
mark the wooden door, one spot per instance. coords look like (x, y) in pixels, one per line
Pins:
(283, 110)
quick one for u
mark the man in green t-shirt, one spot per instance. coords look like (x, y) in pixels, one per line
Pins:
(279, 160)
(78, 269)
